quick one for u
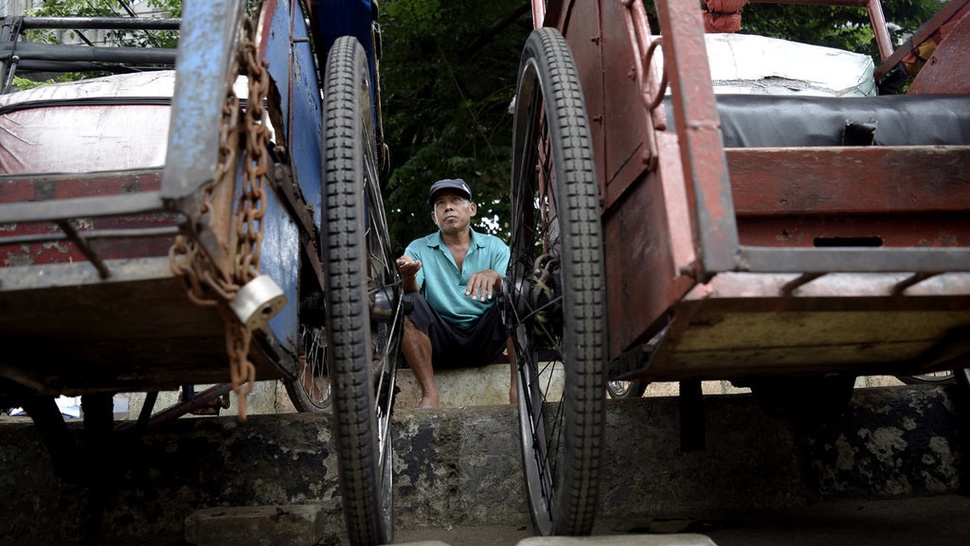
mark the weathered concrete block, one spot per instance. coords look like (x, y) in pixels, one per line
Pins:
(462, 466)
(286, 525)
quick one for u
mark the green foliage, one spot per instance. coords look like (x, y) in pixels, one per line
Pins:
(447, 78)
(107, 8)
(23, 84)
(842, 27)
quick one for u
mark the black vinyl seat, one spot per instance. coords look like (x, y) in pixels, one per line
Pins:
(887, 120)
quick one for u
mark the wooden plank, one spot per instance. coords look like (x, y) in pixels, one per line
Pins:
(849, 180)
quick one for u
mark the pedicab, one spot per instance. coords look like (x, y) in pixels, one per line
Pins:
(154, 222)
(781, 239)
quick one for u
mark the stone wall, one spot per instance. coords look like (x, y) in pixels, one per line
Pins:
(461, 466)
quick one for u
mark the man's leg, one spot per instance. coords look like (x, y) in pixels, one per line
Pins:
(417, 349)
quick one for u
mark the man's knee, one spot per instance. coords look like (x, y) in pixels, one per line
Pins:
(412, 332)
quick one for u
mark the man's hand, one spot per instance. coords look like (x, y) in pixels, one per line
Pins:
(483, 285)
(408, 267)
(409, 270)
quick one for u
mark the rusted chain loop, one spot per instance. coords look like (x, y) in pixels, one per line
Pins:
(206, 283)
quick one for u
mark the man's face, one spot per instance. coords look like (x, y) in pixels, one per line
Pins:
(452, 211)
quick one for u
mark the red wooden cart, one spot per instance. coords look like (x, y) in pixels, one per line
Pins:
(787, 243)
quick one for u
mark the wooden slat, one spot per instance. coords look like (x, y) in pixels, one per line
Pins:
(849, 180)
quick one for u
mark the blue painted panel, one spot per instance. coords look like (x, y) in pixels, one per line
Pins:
(280, 259)
(278, 50)
(307, 117)
(291, 65)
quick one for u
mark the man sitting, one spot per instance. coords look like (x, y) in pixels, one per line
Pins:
(453, 277)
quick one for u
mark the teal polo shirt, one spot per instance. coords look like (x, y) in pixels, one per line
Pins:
(443, 285)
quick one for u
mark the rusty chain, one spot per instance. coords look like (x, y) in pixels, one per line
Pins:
(206, 283)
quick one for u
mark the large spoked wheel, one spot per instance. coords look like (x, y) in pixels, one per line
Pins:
(363, 309)
(556, 303)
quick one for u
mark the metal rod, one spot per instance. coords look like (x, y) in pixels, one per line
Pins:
(102, 23)
(878, 20)
(79, 66)
(913, 280)
(201, 400)
(791, 286)
(85, 248)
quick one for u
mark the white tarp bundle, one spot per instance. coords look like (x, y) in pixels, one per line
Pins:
(100, 124)
(750, 64)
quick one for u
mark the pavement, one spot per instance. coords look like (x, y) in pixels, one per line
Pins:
(939, 520)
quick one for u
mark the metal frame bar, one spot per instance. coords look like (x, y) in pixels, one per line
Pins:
(853, 260)
(32, 57)
(136, 233)
(207, 45)
(26, 52)
(81, 207)
(102, 23)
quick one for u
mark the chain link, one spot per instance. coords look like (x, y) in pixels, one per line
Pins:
(206, 283)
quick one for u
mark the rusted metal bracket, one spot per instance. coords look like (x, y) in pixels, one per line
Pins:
(651, 93)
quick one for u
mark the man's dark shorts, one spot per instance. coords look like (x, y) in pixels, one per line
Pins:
(454, 347)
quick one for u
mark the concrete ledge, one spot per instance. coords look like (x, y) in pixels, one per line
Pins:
(621, 540)
(462, 466)
(461, 387)
(291, 525)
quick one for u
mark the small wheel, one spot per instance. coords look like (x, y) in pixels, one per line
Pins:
(622, 390)
(556, 302)
(937, 378)
(310, 391)
(363, 307)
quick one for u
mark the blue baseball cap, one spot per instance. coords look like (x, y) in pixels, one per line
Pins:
(456, 184)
